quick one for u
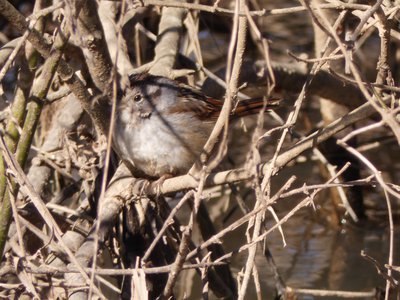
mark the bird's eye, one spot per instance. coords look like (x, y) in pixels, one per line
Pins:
(137, 98)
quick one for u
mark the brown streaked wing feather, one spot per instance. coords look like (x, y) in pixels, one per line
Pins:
(192, 100)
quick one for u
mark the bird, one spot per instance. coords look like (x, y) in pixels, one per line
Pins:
(162, 125)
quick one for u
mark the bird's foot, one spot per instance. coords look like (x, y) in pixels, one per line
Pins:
(159, 183)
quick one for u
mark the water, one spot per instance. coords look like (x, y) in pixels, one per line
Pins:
(316, 256)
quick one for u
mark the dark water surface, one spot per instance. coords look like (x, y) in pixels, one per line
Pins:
(319, 257)
(316, 256)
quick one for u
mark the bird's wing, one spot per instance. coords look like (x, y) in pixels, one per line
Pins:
(208, 109)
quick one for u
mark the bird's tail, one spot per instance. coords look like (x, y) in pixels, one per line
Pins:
(254, 105)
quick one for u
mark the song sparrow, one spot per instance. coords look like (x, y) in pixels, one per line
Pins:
(162, 125)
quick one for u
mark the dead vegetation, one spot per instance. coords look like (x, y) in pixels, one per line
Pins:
(75, 224)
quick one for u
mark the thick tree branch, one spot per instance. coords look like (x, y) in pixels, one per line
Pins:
(89, 35)
(169, 34)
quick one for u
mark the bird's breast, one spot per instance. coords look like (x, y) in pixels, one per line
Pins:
(162, 144)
